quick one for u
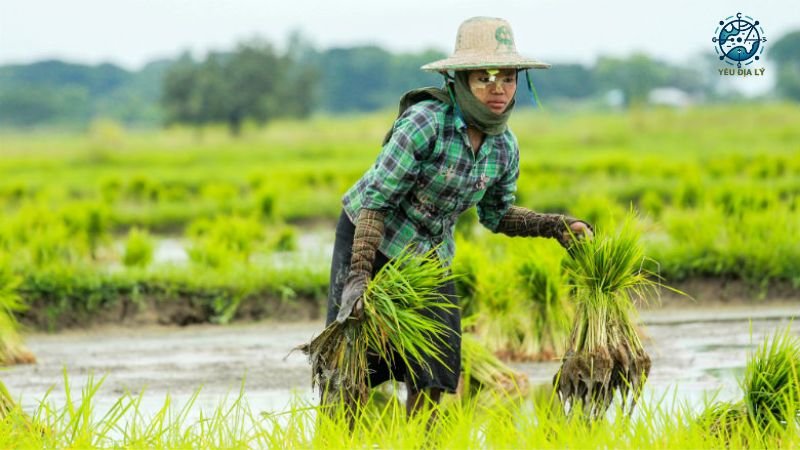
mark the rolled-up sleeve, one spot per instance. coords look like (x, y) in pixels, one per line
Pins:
(398, 164)
(500, 196)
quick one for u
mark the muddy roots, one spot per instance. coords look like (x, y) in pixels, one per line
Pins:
(339, 366)
(592, 379)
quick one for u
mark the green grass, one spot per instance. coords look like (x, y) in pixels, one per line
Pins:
(718, 199)
(505, 422)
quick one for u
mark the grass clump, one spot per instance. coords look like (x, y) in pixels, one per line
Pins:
(485, 372)
(770, 407)
(771, 382)
(394, 326)
(12, 350)
(605, 353)
(138, 249)
(544, 285)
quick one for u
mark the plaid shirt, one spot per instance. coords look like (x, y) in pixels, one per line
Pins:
(427, 175)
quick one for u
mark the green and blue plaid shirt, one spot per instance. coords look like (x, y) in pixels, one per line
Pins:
(427, 175)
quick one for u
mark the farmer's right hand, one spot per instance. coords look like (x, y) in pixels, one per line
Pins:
(578, 229)
(352, 303)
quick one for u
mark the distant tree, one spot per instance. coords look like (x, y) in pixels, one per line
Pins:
(367, 78)
(180, 92)
(786, 53)
(355, 78)
(252, 83)
(572, 81)
(635, 76)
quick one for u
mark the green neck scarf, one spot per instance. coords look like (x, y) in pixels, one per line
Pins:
(474, 113)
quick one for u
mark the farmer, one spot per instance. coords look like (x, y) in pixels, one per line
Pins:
(450, 149)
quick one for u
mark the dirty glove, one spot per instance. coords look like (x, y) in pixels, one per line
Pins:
(366, 239)
(524, 222)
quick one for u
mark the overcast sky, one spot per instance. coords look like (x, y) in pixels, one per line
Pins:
(132, 32)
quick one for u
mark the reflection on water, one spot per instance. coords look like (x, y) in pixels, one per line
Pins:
(313, 246)
(691, 362)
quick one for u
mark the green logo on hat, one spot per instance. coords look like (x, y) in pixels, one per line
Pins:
(503, 36)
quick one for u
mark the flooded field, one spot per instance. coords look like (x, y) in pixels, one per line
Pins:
(696, 352)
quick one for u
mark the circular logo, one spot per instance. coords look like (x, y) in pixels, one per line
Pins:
(739, 40)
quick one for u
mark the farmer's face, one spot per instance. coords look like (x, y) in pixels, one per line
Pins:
(494, 89)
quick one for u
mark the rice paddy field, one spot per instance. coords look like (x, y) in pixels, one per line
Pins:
(108, 235)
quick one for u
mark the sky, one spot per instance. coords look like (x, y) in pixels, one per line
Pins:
(132, 32)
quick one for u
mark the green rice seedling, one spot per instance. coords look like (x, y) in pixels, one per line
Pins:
(393, 326)
(605, 353)
(770, 409)
(548, 302)
(88, 221)
(504, 321)
(771, 382)
(534, 421)
(284, 239)
(138, 249)
(215, 243)
(724, 419)
(467, 266)
(12, 350)
(7, 403)
(483, 371)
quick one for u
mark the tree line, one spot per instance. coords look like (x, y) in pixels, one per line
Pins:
(258, 82)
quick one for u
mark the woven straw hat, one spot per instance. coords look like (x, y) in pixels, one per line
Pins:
(484, 43)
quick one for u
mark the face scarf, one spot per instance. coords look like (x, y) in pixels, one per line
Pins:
(474, 113)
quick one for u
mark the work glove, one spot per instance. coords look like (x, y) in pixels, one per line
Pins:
(520, 221)
(366, 239)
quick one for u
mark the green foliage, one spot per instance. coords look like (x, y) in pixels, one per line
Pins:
(138, 249)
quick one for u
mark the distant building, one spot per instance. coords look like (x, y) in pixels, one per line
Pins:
(669, 96)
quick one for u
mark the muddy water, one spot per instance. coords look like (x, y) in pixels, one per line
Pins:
(695, 353)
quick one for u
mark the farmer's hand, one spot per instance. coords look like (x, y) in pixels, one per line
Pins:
(577, 230)
(352, 304)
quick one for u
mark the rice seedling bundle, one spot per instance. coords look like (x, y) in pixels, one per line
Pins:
(6, 402)
(543, 285)
(605, 354)
(502, 317)
(393, 326)
(12, 350)
(483, 371)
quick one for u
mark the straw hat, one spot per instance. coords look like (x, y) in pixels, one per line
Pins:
(484, 43)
